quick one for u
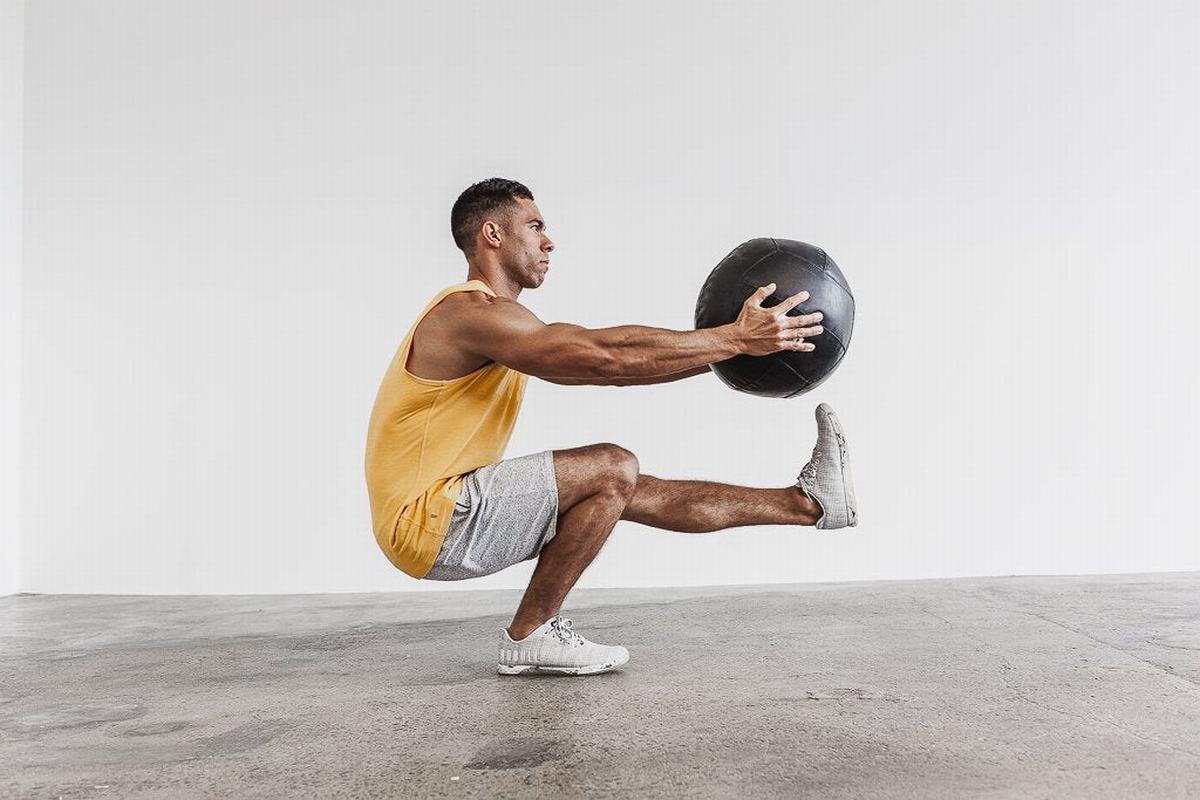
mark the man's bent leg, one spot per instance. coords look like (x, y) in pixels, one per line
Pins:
(701, 506)
(595, 484)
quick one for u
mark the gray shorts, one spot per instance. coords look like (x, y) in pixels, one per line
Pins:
(506, 514)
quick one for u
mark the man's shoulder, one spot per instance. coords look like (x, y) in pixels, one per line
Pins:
(474, 313)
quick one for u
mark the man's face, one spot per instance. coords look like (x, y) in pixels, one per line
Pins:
(525, 248)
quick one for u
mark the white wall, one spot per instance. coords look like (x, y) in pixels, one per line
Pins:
(12, 64)
(233, 211)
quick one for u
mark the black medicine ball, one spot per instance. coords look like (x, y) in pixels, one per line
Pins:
(793, 267)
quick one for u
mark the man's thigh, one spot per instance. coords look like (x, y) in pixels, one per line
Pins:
(506, 513)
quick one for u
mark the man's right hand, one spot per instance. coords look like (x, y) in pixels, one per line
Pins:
(762, 331)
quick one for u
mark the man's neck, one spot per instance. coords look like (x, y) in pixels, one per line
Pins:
(496, 279)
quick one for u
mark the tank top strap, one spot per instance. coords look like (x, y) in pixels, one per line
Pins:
(468, 286)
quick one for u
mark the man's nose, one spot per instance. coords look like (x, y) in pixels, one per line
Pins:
(547, 245)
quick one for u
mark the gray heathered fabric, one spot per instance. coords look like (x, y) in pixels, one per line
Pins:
(507, 512)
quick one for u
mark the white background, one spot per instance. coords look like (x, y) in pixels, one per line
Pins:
(232, 212)
(12, 58)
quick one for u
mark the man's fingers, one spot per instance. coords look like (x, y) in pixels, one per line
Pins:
(760, 294)
(801, 333)
(790, 303)
(800, 345)
(804, 320)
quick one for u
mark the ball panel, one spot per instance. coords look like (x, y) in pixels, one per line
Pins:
(718, 304)
(741, 372)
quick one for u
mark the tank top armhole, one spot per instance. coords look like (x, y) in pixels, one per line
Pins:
(406, 344)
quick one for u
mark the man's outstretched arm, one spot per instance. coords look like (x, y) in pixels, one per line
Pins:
(506, 332)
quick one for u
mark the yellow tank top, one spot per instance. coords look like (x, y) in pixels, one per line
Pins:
(424, 435)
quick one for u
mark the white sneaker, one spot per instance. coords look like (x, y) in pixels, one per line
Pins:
(826, 477)
(556, 649)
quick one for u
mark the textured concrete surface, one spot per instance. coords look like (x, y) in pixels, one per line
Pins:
(1017, 687)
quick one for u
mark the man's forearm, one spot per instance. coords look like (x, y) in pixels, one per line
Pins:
(674, 376)
(639, 352)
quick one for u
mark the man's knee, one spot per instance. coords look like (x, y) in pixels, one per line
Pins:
(620, 469)
(594, 469)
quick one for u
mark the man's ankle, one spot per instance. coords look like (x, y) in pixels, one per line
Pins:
(524, 630)
(809, 509)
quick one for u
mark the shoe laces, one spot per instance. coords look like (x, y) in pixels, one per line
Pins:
(561, 627)
(814, 463)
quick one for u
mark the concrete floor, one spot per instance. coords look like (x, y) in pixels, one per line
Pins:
(1017, 687)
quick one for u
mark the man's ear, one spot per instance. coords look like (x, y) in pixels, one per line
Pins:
(491, 233)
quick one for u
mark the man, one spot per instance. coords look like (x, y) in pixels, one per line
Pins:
(446, 507)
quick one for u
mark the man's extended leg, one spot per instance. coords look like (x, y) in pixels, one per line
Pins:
(700, 506)
(823, 494)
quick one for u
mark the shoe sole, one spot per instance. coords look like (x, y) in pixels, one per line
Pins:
(844, 463)
(538, 669)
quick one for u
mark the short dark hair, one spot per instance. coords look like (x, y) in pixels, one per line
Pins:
(478, 201)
